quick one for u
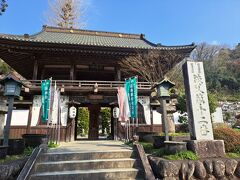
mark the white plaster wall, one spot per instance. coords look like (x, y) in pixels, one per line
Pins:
(157, 117)
(37, 107)
(19, 118)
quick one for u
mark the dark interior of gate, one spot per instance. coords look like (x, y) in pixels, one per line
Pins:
(93, 122)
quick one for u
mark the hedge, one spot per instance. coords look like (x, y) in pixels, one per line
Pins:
(230, 136)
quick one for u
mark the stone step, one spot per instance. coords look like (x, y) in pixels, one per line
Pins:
(99, 174)
(67, 156)
(72, 165)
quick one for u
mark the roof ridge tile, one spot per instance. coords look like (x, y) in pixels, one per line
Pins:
(91, 32)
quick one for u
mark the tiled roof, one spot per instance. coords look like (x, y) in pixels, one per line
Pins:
(90, 38)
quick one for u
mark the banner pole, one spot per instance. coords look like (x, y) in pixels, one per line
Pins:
(126, 123)
(129, 133)
(49, 107)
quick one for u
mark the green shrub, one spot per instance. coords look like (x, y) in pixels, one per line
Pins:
(233, 155)
(230, 136)
(160, 152)
(238, 130)
(52, 144)
(183, 120)
(28, 151)
(83, 121)
(148, 147)
(181, 105)
(106, 120)
(182, 156)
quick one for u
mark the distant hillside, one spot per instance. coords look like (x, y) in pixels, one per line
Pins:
(222, 70)
(223, 73)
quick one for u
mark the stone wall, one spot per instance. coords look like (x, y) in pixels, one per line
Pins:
(11, 170)
(214, 169)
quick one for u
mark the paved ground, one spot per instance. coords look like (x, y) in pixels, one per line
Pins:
(84, 146)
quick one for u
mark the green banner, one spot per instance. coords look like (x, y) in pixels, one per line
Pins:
(132, 91)
(45, 86)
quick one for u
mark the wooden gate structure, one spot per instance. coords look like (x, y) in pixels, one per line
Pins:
(84, 65)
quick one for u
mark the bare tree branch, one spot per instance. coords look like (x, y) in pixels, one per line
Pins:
(66, 13)
(152, 65)
(205, 52)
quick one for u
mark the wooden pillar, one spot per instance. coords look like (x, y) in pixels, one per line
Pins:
(94, 111)
(35, 69)
(118, 74)
(43, 73)
(72, 72)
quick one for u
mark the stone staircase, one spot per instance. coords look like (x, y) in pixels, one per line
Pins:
(96, 165)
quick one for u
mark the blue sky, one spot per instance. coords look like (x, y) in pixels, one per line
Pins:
(170, 22)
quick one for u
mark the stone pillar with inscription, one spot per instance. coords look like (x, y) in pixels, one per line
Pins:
(199, 119)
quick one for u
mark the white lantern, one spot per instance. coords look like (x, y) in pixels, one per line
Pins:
(72, 112)
(115, 112)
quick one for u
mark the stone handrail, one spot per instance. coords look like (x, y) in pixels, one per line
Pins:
(144, 160)
(24, 174)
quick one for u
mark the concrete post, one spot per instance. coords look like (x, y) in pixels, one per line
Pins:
(164, 117)
(8, 122)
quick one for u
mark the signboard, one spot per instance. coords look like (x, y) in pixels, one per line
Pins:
(115, 112)
(131, 89)
(45, 87)
(200, 124)
(72, 112)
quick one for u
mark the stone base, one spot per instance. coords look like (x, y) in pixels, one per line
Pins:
(207, 148)
(173, 147)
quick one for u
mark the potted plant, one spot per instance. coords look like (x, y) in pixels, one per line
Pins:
(16, 146)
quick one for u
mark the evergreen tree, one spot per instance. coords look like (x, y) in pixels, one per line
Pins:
(3, 6)
(83, 121)
(4, 68)
(106, 119)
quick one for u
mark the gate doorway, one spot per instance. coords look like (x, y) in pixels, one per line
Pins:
(93, 122)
